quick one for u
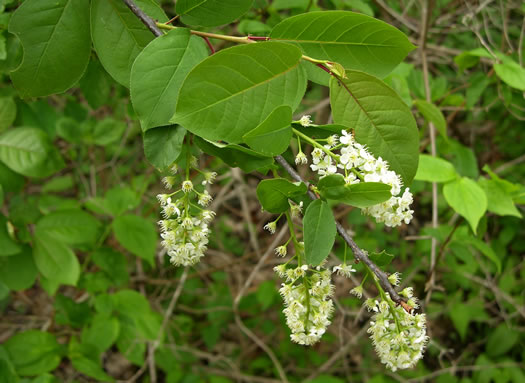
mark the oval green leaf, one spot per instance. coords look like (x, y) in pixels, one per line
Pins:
(233, 91)
(211, 13)
(319, 232)
(363, 194)
(137, 235)
(353, 40)
(24, 149)
(57, 44)
(158, 72)
(432, 114)
(434, 169)
(467, 199)
(163, 145)
(380, 119)
(273, 194)
(272, 136)
(119, 36)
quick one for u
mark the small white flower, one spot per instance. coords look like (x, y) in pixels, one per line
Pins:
(394, 279)
(271, 227)
(187, 186)
(305, 120)
(163, 199)
(209, 178)
(301, 159)
(205, 198)
(357, 291)
(168, 182)
(281, 251)
(332, 140)
(296, 209)
(344, 270)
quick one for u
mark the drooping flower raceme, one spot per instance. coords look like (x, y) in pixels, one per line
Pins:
(399, 337)
(184, 229)
(306, 295)
(359, 165)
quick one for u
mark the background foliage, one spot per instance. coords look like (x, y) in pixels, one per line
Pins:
(84, 289)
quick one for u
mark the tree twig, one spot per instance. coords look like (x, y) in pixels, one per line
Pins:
(146, 20)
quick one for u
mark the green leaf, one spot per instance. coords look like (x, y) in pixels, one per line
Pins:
(235, 155)
(102, 332)
(95, 85)
(511, 73)
(363, 194)
(432, 114)
(272, 136)
(57, 44)
(462, 313)
(33, 352)
(234, 90)
(273, 194)
(501, 340)
(7, 245)
(499, 200)
(7, 112)
(136, 234)
(113, 264)
(211, 13)
(319, 232)
(381, 120)
(90, 368)
(108, 131)
(73, 227)
(18, 272)
(434, 169)
(158, 73)
(134, 308)
(483, 248)
(381, 259)
(70, 313)
(351, 39)
(119, 36)
(163, 145)
(467, 199)
(55, 260)
(24, 150)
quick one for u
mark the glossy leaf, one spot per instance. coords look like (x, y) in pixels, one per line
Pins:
(272, 136)
(319, 232)
(273, 194)
(55, 260)
(137, 235)
(24, 150)
(211, 13)
(158, 72)
(73, 227)
(511, 73)
(234, 90)
(432, 114)
(236, 156)
(363, 194)
(467, 199)
(119, 36)
(33, 352)
(499, 201)
(163, 145)
(57, 44)
(354, 40)
(434, 169)
(380, 119)
(7, 112)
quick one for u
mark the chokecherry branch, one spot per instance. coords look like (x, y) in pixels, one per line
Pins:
(358, 252)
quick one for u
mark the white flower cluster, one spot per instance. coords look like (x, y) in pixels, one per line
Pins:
(359, 165)
(308, 304)
(398, 336)
(185, 228)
